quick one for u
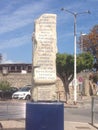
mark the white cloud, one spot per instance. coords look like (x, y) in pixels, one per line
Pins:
(17, 19)
(15, 42)
(12, 18)
(20, 17)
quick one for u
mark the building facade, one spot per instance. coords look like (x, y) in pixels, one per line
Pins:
(18, 74)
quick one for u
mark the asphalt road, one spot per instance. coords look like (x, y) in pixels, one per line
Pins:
(16, 110)
(77, 114)
(82, 113)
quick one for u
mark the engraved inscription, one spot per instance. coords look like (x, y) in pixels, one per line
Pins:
(44, 93)
(45, 52)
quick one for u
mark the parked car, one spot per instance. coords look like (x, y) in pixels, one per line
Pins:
(23, 93)
(8, 93)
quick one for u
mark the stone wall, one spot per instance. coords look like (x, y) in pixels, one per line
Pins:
(20, 80)
(17, 79)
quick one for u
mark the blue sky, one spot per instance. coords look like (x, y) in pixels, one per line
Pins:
(17, 25)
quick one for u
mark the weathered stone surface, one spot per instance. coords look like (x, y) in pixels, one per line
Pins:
(45, 49)
(45, 93)
(17, 79)
(44, 57)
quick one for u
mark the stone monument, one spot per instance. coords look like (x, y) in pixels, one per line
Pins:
(44, 59)
(44, 113)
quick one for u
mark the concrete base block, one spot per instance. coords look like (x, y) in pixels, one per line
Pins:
(44, 116)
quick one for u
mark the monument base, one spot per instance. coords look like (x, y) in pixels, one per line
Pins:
(45, 92)
(44, 116)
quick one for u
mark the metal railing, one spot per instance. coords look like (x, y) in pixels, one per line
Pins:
(11, 110)
(94, 109)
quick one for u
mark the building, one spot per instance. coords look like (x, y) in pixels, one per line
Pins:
(15, 68)
(17, 74)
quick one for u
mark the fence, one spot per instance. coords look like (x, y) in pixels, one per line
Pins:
(11, 110)
(94, 109)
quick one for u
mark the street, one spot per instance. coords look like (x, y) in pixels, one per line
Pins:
(16, 110)
(77, 114)
(83, 113)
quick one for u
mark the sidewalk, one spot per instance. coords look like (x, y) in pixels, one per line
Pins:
(80, 102)
(20, 125)
(13, 125)
(78, 126)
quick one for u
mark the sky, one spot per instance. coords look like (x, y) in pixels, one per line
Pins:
(17, 25)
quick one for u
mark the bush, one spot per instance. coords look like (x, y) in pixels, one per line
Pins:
(4, 88)
(4, 85)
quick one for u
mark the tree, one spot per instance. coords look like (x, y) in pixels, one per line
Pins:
(89, 42)
(65, 67)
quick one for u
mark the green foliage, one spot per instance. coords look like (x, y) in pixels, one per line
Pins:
(65, 67)
(65, 64)
(4, 85)
(84, 61)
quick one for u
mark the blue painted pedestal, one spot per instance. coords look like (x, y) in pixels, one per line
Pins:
(44, 116)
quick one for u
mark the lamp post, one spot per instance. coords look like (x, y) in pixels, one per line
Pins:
(75, 71)
(82, 37)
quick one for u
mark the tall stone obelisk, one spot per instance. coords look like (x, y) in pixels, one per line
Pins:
(43, 113)
(44, 59)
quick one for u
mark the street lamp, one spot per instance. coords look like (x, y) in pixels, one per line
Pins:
(82, 41)
(75, 80)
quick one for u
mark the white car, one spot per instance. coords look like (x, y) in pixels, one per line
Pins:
(23, 93)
